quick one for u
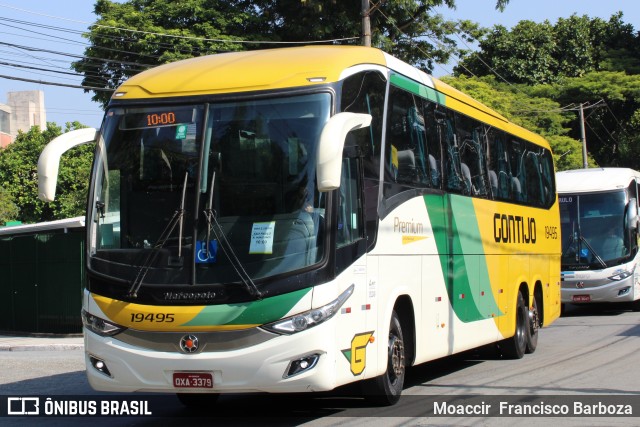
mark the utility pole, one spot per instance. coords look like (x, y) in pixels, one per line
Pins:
(583, 138)
(366, 24)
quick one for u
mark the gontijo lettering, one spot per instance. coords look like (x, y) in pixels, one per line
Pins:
(514, 229)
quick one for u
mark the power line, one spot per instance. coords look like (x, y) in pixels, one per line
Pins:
(42, 82)
(174, 36)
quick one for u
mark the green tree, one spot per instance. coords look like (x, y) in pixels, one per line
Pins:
(610, 129)
(19, 176)
(8, 209)
(522, 55)
(538, 53)
(408, 29)
(158, 32)
(578, 60)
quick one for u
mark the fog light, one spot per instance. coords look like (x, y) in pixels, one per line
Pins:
(624, 291)
(301, 365)
(100, 366)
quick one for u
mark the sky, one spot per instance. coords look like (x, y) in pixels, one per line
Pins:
(27, 27)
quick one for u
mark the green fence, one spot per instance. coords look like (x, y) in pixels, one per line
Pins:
(42, 277)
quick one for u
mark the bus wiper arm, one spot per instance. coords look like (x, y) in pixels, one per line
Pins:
(227, 248)
(595, 254)
(181, 216)
(176, 219)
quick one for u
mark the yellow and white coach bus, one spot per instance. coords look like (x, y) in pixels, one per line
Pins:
(599, 217)
(292, 220)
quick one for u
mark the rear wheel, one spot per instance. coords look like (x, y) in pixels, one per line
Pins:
(533, 326)
(198, 400)
(514, 347)
(385, 390)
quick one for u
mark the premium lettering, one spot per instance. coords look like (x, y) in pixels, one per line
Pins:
(407, 226)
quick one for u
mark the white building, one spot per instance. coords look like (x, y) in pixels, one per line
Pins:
(23, 110)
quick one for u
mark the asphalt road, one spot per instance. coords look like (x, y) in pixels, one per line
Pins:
(590, 354)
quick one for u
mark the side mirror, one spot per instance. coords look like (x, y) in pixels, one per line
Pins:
(49, 160)
(332, 138)
(632, 214)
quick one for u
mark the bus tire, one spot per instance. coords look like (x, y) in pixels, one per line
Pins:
(386, 389)
(514, 347)
(533, 326)
(198, 400)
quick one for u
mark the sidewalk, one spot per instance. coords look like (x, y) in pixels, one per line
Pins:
(15, 343)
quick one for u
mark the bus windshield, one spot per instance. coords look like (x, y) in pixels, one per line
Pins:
(203, 193)
(593, 230)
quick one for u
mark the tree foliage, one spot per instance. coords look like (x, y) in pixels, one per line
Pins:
(130, 36)
(539, 53)
(8, 209)
(577, 61)
(19, 176)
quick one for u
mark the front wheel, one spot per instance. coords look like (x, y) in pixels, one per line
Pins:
(515, 347)
(385, 390)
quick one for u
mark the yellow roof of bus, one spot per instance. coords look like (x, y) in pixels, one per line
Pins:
(249, 71)
(284, 68)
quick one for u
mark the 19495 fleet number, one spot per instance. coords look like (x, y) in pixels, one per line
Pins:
(152, 317)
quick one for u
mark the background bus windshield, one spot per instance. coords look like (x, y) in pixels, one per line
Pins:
(593, 230)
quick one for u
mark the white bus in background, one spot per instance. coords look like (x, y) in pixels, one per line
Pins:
(599, 217)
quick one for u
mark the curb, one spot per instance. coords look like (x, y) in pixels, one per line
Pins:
(40, 347)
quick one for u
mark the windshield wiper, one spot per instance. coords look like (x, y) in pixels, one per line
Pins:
(227, 248)
(177, 218)
(595, 254)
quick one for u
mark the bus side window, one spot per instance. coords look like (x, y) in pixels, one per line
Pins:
(535, 191)
(365, 93)
(547, 172)
(518, 177)
(471, 135)
(456, 180)
(433, 128)
(350, 224)
(413, 157)
(499, 165)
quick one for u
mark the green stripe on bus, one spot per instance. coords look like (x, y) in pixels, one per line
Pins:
(469, 243)
(461, 252)
(248, 313)
(417, 88)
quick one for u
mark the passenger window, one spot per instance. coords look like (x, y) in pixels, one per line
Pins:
(471, 139)
(350, 226)
(365, 93)
(455, 180)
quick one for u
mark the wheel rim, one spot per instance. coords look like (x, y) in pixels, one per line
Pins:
(534, 320)
(396, 358)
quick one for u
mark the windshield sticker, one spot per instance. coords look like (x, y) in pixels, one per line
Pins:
(262, 238)
(181, 131)
(206, 255)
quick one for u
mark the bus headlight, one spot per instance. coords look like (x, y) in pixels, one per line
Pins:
(308, 319)
(621, 275)
(99, 325)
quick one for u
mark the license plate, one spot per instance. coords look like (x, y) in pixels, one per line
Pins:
(581, 298)
(192, 380)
